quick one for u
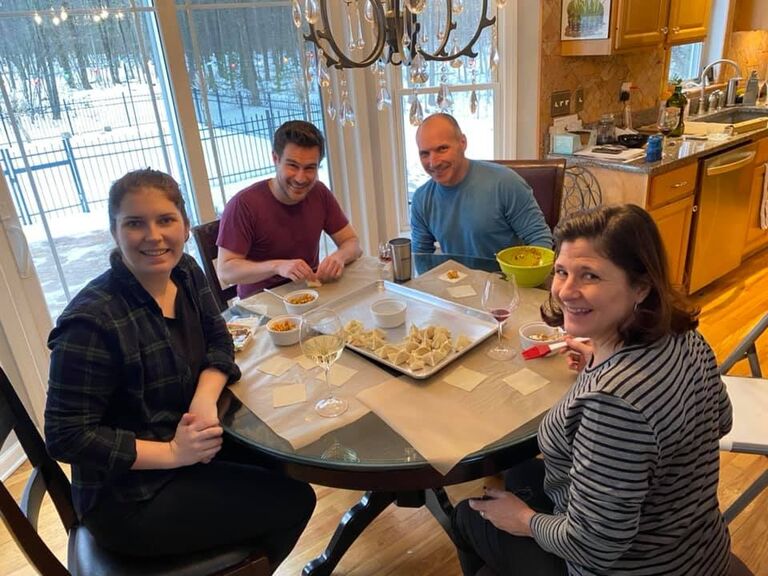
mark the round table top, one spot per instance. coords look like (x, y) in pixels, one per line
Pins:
(367, 454)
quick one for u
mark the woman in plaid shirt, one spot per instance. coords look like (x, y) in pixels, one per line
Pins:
(139, 359)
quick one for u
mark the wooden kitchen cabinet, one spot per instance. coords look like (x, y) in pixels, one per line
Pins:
(750, 15)
(670, 204)
(756, 237)
(688, 20)
(637, 24)
(674, 223)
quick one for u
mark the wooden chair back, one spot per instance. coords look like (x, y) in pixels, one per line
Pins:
(205, 236)
(85, 557)
(545, 177)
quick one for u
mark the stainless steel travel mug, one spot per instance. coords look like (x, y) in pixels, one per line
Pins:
(401, 259)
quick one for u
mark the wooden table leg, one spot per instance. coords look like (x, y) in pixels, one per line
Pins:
(351, 526)
(440, 506)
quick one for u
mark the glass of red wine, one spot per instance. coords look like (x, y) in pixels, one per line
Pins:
(500, 299)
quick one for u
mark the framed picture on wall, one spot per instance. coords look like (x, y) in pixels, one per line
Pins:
(584, 19)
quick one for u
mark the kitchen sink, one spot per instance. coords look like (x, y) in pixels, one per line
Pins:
(739, 119)
(733, 116)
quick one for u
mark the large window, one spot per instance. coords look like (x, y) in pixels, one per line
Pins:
(472, 94)
(685, 61)
(248, 75)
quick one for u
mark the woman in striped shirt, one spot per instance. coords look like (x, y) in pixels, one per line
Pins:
(628, 483)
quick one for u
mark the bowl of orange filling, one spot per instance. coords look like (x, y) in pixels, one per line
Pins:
(284, 330)
(299, 301)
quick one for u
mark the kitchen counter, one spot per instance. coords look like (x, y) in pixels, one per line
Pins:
(680, 153)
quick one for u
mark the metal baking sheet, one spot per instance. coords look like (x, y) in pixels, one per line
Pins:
(422, 310)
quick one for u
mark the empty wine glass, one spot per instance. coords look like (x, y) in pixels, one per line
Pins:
(500, 298)
(322, 340)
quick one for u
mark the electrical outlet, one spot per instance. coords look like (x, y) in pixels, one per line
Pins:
(560, 103)
(578, 100)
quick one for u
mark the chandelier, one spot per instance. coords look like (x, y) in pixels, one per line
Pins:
(374, 33)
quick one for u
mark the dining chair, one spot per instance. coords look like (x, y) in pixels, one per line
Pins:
(749, 398)
(205, 236)
(84, 556)
(545, 177)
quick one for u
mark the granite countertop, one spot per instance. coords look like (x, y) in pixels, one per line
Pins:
(681, 152)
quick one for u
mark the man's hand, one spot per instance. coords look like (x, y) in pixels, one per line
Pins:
(196, 440)
(505, 511)
(331, 267)
(295, 270)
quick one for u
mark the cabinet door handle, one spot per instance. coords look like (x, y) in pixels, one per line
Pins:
(680, 184)
(695, 208)
(664, 30)
(676, 29)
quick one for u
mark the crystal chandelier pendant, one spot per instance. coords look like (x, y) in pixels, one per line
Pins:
(457, 61)
(444, 100)
(383, 98)
(368, 11)
(351, 35)
(494, 57)
(474, 103)
(331, 107)
(296, 13)
(323, 76)
(346, 113)
(416, 6)
(309, 65)
(311, 12)
(360, 44)
(416, 114)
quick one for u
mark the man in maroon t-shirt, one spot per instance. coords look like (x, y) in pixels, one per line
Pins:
(270, 232)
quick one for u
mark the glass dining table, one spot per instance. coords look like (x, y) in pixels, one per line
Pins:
(370, 456)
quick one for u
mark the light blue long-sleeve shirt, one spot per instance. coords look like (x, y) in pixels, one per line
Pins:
(491, 209)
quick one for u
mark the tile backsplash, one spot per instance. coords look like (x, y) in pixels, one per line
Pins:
(600, 76)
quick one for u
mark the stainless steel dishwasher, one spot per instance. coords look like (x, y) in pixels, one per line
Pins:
(721, 216)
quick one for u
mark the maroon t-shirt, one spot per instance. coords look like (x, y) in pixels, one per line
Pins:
(256, 224)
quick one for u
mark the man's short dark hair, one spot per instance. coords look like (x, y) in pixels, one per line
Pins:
(300, 133)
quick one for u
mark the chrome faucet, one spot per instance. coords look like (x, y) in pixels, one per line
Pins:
(706, 69)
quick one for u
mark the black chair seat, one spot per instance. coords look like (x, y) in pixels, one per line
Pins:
(87, 557)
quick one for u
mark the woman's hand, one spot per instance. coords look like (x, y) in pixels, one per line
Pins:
(505, 511)
(578, 354)
(196, 440)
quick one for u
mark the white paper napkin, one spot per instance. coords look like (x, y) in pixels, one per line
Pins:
(276, 365)
(526, 381)
(289, 394)
(462, 291)
(465, 378)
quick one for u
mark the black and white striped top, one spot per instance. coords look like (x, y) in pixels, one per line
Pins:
(632, 464)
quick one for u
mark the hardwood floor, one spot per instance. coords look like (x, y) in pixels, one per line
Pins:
(409, 542)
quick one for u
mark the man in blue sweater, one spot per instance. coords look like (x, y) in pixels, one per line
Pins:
(470, 207)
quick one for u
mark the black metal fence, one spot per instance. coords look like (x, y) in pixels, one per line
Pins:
(73, 177)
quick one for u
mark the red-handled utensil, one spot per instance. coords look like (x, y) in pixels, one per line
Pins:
(540, 350)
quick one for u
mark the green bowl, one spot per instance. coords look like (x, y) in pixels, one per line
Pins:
(530, 265)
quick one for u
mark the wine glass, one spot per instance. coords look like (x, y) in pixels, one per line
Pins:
(385, 258)
(322, 340)
(500, 298)
(668, 118)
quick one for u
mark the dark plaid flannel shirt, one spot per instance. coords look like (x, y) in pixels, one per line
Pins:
(115, 377)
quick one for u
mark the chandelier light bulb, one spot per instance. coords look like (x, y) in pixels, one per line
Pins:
(56, 20)
(416, 6)
(63, 14)
(37, 18)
